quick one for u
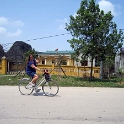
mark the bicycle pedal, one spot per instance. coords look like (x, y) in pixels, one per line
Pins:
(37, 90)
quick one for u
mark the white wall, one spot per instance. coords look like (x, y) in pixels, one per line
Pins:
(119, 62)
(89, 62)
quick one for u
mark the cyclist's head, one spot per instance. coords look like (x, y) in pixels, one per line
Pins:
(30, 57)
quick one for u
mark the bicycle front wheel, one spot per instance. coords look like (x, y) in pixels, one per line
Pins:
(50, 88)
(23, 87)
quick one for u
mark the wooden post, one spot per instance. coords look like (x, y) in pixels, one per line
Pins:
(52, 69)
(76, 71)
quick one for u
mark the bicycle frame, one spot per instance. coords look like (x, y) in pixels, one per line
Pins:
(42, 80)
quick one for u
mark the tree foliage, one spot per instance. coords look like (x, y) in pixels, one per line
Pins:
(94, 33)
(33, 52)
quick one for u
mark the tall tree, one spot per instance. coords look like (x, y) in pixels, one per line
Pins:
(94, 33)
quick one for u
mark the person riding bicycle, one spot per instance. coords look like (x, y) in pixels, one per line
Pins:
(31, 71)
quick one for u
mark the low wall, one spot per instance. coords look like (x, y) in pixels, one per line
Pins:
(71, 70)
(79, 71)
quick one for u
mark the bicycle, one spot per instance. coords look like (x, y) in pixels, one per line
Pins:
(49, 87)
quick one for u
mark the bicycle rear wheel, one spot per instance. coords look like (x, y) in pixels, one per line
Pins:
(50, 88)
(24, 90)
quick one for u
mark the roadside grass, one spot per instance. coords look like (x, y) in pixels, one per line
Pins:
(84, 82)
(10, 80)
(68, 81)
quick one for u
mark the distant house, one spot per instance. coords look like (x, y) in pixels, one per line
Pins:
(119, 60)
(50, 57)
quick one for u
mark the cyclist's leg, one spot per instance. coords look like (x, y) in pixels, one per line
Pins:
(32, 74)
(33, 81)
(34, 78)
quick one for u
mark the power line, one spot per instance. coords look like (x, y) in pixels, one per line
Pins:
(47, 37)
(5, 45)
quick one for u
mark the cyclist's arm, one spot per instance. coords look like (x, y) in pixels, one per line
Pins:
(36, 68)
(37, 60)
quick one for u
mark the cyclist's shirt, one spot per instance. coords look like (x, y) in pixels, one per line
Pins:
(29, 69)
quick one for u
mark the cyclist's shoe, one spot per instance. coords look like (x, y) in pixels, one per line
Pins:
(37, 90)
(30, 85)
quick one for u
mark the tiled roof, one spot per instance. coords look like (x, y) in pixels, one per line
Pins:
(55, 52)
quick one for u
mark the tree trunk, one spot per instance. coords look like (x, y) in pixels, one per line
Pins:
(101, 70)
(91, 72)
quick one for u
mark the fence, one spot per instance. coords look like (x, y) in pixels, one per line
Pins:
(81, 71)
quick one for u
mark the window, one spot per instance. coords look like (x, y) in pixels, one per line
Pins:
(96, 71)
(43, 62)
(53, 61)
(64, 62)
(84, 63)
